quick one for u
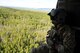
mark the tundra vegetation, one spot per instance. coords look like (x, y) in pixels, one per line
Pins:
(21, 30)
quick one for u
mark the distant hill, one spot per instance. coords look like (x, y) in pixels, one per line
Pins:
(44, 9)
(36, 9)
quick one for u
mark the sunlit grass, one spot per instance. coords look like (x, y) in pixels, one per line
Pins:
(22, 30)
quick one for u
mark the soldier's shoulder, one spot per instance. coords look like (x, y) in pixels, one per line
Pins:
(41, 49)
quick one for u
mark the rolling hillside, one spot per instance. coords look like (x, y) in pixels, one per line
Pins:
(21, 30)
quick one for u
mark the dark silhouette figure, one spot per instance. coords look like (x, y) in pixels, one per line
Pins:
(65, 36)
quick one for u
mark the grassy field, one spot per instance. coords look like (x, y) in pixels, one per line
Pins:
(22, 30)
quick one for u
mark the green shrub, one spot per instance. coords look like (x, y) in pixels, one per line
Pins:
(22, 30)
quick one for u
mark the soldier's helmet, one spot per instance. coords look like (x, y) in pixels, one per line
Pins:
(58, 15)
(72, 8)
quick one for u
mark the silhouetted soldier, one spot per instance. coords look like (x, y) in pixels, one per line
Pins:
(65, 36)
(73, 9)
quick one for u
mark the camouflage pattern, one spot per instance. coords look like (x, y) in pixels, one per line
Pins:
(61, 37)
(67, 35)
(62, 34)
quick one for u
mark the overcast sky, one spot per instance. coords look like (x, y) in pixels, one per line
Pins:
(29, 3)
